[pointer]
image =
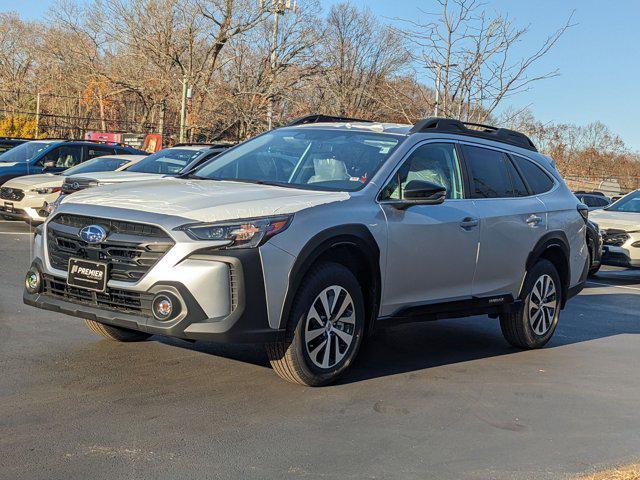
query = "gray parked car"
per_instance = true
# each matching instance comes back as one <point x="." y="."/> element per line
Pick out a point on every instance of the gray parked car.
<point x="308" y="237"/>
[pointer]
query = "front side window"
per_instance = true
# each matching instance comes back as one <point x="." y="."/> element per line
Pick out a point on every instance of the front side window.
<point x="24" y="152"/>
<point x="333" y="160"/>
<point x="489" y="173"/>
<point x="101" y="164"/>
<point x="434" y="162"/>
<point x="170" y="161"/>
<point x="64" y="157"/>
<point x="628" y="203"/>
<point x="538" y="181"/>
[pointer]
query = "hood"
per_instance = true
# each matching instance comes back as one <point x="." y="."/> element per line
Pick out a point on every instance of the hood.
<point x="35" y="181"/>
<point x="119" y="177"/>
<point x="204" y="200"/>
<point x="607" y="219"/>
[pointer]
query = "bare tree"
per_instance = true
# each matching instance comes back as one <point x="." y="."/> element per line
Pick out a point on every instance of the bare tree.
<point x="470" y="56"/>
<point x="360" y="55"/>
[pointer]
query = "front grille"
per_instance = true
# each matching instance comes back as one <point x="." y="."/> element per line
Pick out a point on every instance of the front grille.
<point x="233" y="284"/>
<point x="615" y="238"/>
<point x="130" y="250"/>
<point x="14" y="194"/>
<point x="113" y="299"/>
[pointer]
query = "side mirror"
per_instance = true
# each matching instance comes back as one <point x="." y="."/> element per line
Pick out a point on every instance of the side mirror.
<point x="422" y="192"/>
<point x="48" y="165"/>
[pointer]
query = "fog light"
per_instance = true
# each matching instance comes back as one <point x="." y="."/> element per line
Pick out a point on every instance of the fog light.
<point x="163" y="307"/>
<point x="636" y="244"/>
<point x="33" y="281"/>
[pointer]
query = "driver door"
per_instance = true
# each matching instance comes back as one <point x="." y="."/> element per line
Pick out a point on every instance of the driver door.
<point x="432" y="249"/>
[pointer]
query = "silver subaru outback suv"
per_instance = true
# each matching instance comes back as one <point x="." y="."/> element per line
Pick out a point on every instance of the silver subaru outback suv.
<point x="308" y="237"/>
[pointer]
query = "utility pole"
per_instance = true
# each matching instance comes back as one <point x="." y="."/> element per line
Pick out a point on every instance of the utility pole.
<point x="183" y="108"/>
<point x="438" y="69"/>
<point x="278" y="7"/>
<point x="437" y="105"/>
<point x="38" y="115"/>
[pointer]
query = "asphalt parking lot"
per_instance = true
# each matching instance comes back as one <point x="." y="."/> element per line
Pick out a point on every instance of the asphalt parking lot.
<point x="446" y="399"/>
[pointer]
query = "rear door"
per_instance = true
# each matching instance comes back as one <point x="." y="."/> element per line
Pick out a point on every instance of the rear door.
<point x="431" y="252"/>
<point x="511" y="220"/>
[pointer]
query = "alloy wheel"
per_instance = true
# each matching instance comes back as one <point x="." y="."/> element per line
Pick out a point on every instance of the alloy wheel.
<point x="330" y="327"/>
<point x="542" y="304"/>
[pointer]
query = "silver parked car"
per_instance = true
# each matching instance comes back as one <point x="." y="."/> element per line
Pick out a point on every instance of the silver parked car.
<point x="308" y="237"/>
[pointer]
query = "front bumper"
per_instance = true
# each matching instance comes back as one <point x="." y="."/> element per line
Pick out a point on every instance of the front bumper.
<point x="619" y="257"/>
<point x="239" y="319"/>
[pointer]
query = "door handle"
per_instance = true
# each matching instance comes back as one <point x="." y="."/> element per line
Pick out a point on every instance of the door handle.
<point x="468" y="223"/>
<point x="533" y="220"/>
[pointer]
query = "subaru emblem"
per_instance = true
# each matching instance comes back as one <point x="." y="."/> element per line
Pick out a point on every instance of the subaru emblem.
<point x="93" y="234"/>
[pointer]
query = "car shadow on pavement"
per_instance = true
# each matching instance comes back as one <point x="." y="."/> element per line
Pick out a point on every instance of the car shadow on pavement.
<point x="414" y="347"/>
<point x="423" y="345"/>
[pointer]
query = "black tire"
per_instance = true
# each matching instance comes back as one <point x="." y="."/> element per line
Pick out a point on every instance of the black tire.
<point x="516" y="326"/>
<point x="290" y="358"/>
<point x="116" y="334"/>
<point x="593" y="268"/>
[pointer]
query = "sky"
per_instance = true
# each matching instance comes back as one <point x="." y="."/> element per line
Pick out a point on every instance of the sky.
<point x="598" y="58"/>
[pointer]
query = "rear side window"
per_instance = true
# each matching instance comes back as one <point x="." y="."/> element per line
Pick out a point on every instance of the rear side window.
<point x="519" y="188"/>
<point x="100" y="151"/>
<point x="536" y="178"/>
<point x="489" y="171"/>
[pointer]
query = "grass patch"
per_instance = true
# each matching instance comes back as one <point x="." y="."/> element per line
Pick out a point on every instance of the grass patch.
<point x="629" y="472"/>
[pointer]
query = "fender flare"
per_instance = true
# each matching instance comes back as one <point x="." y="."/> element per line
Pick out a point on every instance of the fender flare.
<point x="553" y="239"/>
<point x="355" y="235"/>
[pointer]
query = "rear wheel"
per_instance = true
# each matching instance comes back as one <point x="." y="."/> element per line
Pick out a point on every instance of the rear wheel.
<point x="593" y="268"/>
<point x="325" y="328"/>
<point x="116" y="334"/>
<point x="532" y="324"/>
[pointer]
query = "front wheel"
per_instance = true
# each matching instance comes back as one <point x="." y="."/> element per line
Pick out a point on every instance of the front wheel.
<point x="532" y="324"/>
<point x="325" y="328"/>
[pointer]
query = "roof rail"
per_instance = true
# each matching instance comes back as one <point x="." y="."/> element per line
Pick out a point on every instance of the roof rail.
<point x="450" y="125"/>
<point x="319" y="118"/>
<point x="204" y="144"/>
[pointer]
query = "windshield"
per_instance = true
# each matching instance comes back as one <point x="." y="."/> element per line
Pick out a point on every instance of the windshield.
<point x="170" y="161"/>
<point x="99" y="164"/>
<point x="628" y="203"/>
<point x="337" y="160"/>
<point x="24" y="153"/>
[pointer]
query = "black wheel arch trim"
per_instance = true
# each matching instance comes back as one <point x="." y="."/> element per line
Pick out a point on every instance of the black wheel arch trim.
<point x="553" y="239"/>
<point x="355" y="235"/>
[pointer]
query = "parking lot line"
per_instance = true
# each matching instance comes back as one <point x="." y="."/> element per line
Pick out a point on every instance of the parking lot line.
<point x="16" y="233"/>
<point x="612" y="285"/>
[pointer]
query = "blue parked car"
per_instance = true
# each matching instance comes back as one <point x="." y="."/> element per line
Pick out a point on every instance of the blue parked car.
<point x="51" y="156"/>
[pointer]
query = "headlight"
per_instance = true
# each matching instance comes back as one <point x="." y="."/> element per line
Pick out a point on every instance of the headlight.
<point x="49" y="208"/>
<point x="46" y="190"/>
<point x="245" y="233"/>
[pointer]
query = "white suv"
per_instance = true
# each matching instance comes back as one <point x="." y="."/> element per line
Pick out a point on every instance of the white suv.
<point x="308" y="237"/>
<point x="620" y="227"/>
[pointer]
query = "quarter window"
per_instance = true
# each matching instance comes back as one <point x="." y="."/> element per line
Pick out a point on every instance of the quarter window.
<point x="489" y="172"/>
<point x="434" y="162"/>
<point x="537" y="179"/>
